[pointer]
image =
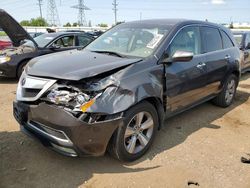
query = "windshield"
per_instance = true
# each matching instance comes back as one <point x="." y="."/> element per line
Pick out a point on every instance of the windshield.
<point x="238" y="38"/>
<point x="130" y="40"/>
<point x="41" y="40"/>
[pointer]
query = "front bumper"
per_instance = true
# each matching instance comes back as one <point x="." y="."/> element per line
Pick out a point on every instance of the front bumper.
<point x="60" y="130"/>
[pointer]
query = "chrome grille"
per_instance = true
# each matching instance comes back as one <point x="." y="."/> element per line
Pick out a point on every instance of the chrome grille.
<point x="32" y="88"/>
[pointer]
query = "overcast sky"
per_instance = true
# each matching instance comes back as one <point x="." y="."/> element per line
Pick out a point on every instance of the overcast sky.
<point x="220" y="11"/>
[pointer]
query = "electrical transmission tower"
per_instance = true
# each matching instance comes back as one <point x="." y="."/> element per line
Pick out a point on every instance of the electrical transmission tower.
<point x="40" y="8"/>
<point x="52" y="14"/>
<point x="81" y="12"/>
<point x="115" y="4"/>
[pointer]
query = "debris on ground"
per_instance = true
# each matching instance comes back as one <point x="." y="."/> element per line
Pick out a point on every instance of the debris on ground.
<point x="21" y="169"/>
<point x="246" y="160"/>
<point x="193" y="183"/>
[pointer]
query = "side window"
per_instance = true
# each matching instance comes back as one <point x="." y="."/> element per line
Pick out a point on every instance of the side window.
<point x="188" y="39"/>
<point x="83" y="40"/>
<point x="211" y="39"/>
<point x="247" y="39"/>
<point x="64" y="42"/>
<point x="227" y="43"/>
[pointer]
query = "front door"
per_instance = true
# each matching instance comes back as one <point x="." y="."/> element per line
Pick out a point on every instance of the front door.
<point x="185" y="81"/>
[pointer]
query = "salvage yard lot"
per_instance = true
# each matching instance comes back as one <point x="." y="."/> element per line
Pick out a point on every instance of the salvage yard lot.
<point x="202" y="145"/>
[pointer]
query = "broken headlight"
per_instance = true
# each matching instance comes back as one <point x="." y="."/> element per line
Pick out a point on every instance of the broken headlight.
<point x="80" y="96"/>
<point x="73" y="100"/>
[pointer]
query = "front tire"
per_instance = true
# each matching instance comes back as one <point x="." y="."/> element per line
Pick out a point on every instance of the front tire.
<point x="134" y="138"/>
<point x="226" y="96"/>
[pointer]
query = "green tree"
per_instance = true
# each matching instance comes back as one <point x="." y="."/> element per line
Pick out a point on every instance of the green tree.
<point x="25" y="23"/>
<point x="75" y="24"/>
<point x="38" y="22"/>
<point x="67" y="25"/>
<point x="103" y="25"/>
<point x="34" y="22"/>
<point x="231" y="26"/>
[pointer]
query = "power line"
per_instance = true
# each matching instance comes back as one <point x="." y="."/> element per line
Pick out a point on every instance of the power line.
<point x="40" y="8"/>
<point x="81" y="12"/>
<point x="52" y="14"/>
<point x="115" y="4"/>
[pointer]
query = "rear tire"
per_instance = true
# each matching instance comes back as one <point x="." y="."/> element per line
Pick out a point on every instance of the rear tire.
<point x="130" y="141"/>
<point x="226" y="96"/>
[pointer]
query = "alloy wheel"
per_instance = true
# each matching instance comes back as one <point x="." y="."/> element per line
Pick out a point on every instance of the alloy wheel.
<point x="138" y="132"/>
<point x="230" y="91"/>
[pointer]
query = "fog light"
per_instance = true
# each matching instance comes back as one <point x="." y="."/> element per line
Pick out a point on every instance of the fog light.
<point x="1" y="72"/>
<point x="66" y="150"/>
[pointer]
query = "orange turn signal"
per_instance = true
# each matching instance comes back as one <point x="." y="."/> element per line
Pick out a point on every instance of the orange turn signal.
<point x="87" y="105"/>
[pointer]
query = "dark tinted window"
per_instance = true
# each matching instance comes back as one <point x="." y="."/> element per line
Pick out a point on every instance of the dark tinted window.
<point x="227" y="43"/>
<point x="211" y="39"/>
<point x="83" y="40"/>
<point x="188" y="39"/>
<point x="247" y="39"/>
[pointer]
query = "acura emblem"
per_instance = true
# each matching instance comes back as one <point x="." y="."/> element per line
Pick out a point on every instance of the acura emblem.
<point x="23" y="81"/>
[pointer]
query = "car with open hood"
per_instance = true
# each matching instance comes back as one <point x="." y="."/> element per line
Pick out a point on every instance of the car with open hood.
<point x="243" y="40"/>
<point x="115" y="94"/>
<point x="14" y="59"/>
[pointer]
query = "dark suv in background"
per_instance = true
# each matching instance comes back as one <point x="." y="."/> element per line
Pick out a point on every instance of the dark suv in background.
<point x="117" y="91"/>
<point x="243" y="40"/>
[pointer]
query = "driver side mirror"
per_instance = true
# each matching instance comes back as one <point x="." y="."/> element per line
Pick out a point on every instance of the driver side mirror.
<point x="179" y="56"/>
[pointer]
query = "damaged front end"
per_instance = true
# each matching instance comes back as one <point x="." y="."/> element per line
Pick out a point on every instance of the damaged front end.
<point x="79" y="98"/>
<point x="59" y="113"/>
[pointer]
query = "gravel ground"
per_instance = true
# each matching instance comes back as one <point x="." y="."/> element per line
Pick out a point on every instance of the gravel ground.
<point x="203" y="145"/>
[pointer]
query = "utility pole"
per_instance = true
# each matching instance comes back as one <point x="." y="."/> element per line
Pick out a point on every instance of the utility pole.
<point x="52" y="14"/>
<point x="40" y="8"/>
<point x="115" y="4"/>
<point x="81" y="12"/>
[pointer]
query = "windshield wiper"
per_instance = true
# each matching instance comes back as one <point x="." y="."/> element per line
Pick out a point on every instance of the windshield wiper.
<point x="110" y="53"/>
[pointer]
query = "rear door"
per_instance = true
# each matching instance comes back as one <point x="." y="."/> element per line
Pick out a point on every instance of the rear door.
<point x="185" y="81"/>
<point x="217" y="58"/>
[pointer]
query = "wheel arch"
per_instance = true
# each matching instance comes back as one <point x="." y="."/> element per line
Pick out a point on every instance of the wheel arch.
<point x="26" y="60"/>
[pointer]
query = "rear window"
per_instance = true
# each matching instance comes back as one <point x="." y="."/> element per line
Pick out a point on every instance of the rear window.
<point x="227" y="43"/>
<point x="211" y="39"/>
<point x="238" y="38"/>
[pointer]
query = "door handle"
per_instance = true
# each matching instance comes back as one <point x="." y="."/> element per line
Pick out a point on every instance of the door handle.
<point x="201" y="65"/>
<point x="227" y="57"/>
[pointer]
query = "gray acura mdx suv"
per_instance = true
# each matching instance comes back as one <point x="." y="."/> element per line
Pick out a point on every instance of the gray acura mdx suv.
<point x="117" y="91"/>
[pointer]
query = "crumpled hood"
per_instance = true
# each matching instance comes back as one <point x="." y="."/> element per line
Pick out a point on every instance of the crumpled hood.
<point x="75" y="64"/>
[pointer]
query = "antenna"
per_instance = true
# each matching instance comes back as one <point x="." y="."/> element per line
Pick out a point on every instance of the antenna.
<point x="81" y="12"/>
<point x="52" y="14"/>
<point x="115" y="4"/>
<point x="40" y="8"/>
